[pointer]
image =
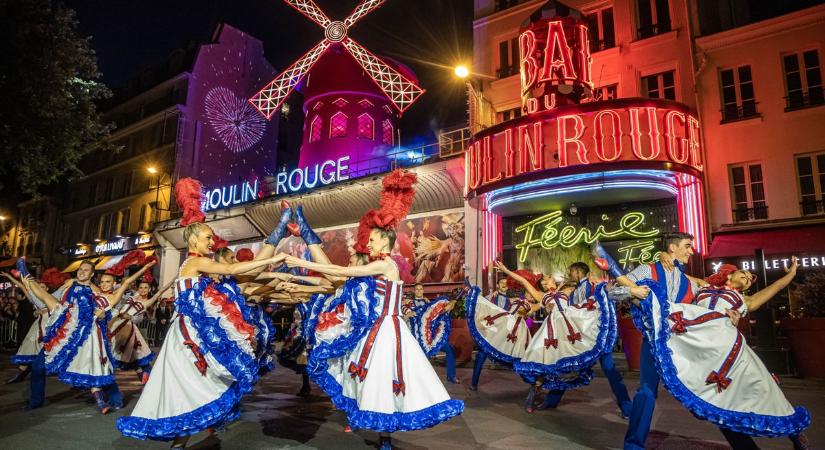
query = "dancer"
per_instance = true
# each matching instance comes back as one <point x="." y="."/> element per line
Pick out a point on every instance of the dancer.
<point x="207" y="361"/>
<point x="702" y="360"/>
<point x="129" y="347"/>
<point x="76" y="345"/>
<point x="499" y="298"/>
<point x="364" y="355"/>
<point x="33" y="342"/>
<point x="430" y="324"/>
<point x="294" y="351"/>
<point x="594" y="317"/>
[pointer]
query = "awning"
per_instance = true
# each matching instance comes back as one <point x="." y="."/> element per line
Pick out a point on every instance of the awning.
<point x="790" y="240"/>
<point x="107" y="262"/>
<point x="8" y="262"/>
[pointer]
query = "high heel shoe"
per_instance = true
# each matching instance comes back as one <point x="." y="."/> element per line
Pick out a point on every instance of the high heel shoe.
<point x="604" y="261"/>
<point x="102" y="405"/>
<point x="307" y="234"/>
<point x="528" y="402"/>
<point x="281" y="227"/>
<point x="21" y="268"/>
<point x="20" y="375"/>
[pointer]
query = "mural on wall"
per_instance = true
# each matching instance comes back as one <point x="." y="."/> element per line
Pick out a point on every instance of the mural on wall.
<point x="431" y="247"/>
<point x="233" y="143"/>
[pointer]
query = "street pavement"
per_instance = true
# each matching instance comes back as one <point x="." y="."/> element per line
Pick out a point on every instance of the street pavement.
<point x="274" y="418"/>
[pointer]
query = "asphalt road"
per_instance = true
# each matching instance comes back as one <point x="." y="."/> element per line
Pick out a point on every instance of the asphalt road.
<point x="273" y="417"/>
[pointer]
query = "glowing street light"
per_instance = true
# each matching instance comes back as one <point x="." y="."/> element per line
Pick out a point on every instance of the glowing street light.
<point x="461" y="71"/>
<point x="2" y="218"/>
<point x="152" y="170"/>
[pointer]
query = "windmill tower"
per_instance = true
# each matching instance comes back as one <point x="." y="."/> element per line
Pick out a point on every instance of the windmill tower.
<point x="353" y="99"/>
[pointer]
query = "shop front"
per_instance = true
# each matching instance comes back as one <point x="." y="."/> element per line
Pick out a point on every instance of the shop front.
<point x="106" y="253"/>
<point x="571" y="170"/>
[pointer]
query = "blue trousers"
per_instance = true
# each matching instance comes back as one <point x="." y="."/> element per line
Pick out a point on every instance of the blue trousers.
<point x="449" y="352"/>
<point x="478" y="364"/>
<point x="613" y="377"/>
<point x="38" y="382"/>
<point x="644" y="401"/>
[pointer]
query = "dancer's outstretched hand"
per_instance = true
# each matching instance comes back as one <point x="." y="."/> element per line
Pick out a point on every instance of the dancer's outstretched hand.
<point x="279" y="258"/>
<point x="292" y="261"/>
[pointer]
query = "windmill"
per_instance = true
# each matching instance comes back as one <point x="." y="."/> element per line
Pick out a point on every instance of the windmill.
<point x="400" y="90"/>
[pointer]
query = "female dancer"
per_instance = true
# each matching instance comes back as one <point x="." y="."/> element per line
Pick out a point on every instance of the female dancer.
<point x="364" y="355"/>
<point x="33" y="341"/>
<point x="207" y="361"/>
<point x="76" y="343"/>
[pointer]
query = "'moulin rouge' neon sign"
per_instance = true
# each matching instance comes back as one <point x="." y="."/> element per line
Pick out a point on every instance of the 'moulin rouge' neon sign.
<point x="544" y="232"/>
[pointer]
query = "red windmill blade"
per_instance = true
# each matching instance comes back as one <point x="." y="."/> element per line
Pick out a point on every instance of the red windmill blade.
<point x="399" y="89"/>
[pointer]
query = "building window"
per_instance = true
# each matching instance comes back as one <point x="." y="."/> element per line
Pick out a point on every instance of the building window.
<point x="609" y="92"/>
<point x="126" y="187"/>
<point x="509" y="114"/>
<point x="387" y="132"/>
<point x="366" y="127"/>
<point x="653" y="17"/>
<point x="109" y="190"/>
<point x="508" y="58"/>
<point x="86" y="230"/>
<point x="811" y="172"/>
<point x="103" y="226"/>
<point x="338" y="125"/>
<point x="601" y="30"/>
<point x="660" y="85"/>
<point x="748" y="193"/>
<point x="803" y="80"/>
<point x="92" y="193"/>
<point x="737" y="94"/>
<point x="146" y="219"/>
<point x="123" y="217"/>
<point x="315" y="128"/>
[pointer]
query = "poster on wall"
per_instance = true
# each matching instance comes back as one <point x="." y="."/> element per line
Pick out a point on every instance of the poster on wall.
<point x="431" y="247"/>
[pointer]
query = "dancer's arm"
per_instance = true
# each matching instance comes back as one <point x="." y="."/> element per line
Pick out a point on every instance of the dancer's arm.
<point x="206" y="265"/>
<point x="535" y="293"/>
<point x="374" y="268"/>
<point x="118" y="294"/>
<point x="158" y="294"/>
<point x="314" y="281"/>
<point x="758" y="299"/>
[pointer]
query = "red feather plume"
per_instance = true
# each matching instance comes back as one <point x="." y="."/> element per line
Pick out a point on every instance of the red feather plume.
<point x="189" y="197"/>
<point x="244" y="254"/>
<point x="719" y="278"/>
<point x="532" y="278"/>
<point x="396" y="200"/>
<point x="219" y="242"/>
<point x="54" y="278"/>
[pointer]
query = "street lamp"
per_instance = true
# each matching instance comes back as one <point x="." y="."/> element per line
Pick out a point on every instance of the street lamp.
<point x="152" y="170"/>
<point x="461" y="71"/>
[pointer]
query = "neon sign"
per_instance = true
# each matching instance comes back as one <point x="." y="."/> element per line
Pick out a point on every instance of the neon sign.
<point x="544" y="232"/>
<point x="633" y="130"/>
<point x="554" y="56"/>
<point x="643" y="252"/>
<point x="110" y="246"/>
<point x="322" y="174"/>
<point x="817" y="261"/>
<point x="226" y="196"/>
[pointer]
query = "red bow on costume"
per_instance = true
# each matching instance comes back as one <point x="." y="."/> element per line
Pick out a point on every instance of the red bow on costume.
<point x="722" y="382"/>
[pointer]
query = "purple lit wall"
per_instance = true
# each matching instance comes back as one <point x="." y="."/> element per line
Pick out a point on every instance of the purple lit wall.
<point x="232" y="143"/>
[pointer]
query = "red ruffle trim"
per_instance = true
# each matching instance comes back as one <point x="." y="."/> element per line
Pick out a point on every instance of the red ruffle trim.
<point x="61" y="333"/>
<point x="231" y="311"/>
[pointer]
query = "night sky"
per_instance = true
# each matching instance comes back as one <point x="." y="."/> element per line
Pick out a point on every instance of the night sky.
<point x="130" y="36"/>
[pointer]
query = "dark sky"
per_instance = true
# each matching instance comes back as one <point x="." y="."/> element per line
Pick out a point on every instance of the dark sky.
<point x="129" y="36"/>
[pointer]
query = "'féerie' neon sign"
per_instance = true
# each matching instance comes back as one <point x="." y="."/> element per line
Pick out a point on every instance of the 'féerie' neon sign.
<point x="544" y="232"/>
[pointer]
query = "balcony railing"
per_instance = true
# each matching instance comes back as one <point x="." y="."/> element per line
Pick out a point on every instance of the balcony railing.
<point x="749" y="214"/>
<point x="505" y="72"/>
<point x="812" y="207"/>
<point x="801" y="100"/>
<point x="597" y="46"/>
<point x="734" y="113"/>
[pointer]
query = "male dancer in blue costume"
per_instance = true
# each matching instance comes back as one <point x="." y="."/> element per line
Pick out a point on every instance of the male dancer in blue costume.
<point x="578" y="273"/>
<point x="500" y="299"/>
<point x="418" y="301"/>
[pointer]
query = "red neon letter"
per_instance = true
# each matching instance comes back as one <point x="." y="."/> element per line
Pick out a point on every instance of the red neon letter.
<point x="553" y="61"/>
<point x="584" y="56"/>
<point x="509" y="154"/>
<point x="529" y="65"/>
<point x="562" y="140"/>
<point x="653" y="134"/>
<point x="489" y="162"/>
<point x="598" y="134"/>
<point x="693" y="139"/>
<point x="474" y="166"/>
<point x="531" y="151"/>
<point x="677" y="151"/>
